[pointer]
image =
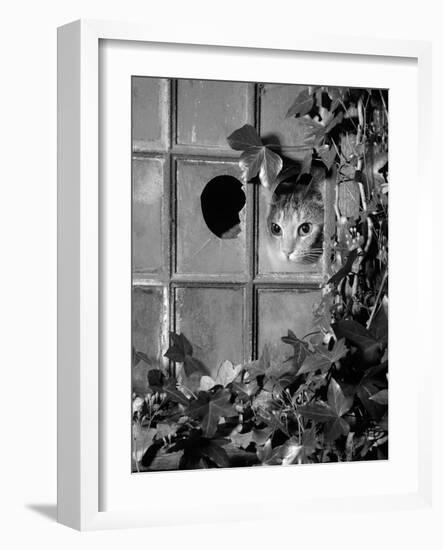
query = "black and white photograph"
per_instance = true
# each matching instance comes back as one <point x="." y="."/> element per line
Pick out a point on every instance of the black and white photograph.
<point x="259" y="274"/>
<point x="221" y="275"/>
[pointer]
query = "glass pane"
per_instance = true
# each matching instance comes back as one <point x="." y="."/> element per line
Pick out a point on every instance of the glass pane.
<point x="150" y="113"/>
<point x="275" y="128"/>
<point x="219" y="247"/>
<point x="208" y="112"/>
<point x="149" y="332"/>
<point x="212" y="320"/>
<point x="147" y="198"/>
<point x="280" y="310"/>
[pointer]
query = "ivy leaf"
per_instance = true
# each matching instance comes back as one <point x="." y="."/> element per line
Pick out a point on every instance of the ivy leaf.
<point x="210" y="408"/>
<point x="257" y="159"/>
<point x="166" y="429"/>
<point x="327" y="155"/>
<point x="180" y="351"/>
<point x="216" y="454"/>
<point x="244" y="138"/>
<point x="371" y="383"/>
<point x="261" y="161"/>
<point x="384" y="422"/>
<point x="259" y="437"/>
<point x="156" y="378"/>
<point x="322" y="359"/>
<point x="315" y="362"/>
<point x="272" y="420"/>
<point x="281" y="372"/>
<point x="364" y="392"/>
<point x="336" y="428"/>
<point x="314" y="132"/>
<point x="309" y="440"/>
<point x="275" y="385"/>
<point x="206" y="383"/>
<point x="303" y="103"/>
<point x="370" y="349"/>
<point x="261" y="365"/>
<point x="246" y="389"/>
<point x="241" y="440"/>
<point x="338" y="351"/>
<point x="196" y="449"/>
<point x="179" y="348"/>
<point x="192" y="365"/>
<point x="356" y="333"/>
<point x="381" y="397"/>
<point x="318" y="411"/>
<point x="378" y="372"/>
<point x="341" y="273"/>
<point x="286" y="454"/>
<point x="189" y="385"/>
<point x="337" y="92"/>
<point x="264" y="452"/>
<point x="335" y="103"/>
<point x="138" y="356"/>
<point x="263" y="401"/>
<point x="338" y="119"/>
<point x="337" y="400"/>
<point x="301" y="349"/>
<point x="142" y="440"/>
<point x="226" y="374"/>
<point x="291" y="338"/>
<point x="379" y="326"/>
<point x="330" y="413"/>
<point x="173" y="393"/>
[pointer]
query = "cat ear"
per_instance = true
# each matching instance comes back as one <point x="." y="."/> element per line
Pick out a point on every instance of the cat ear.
<point x="318" y="185"/>
<point x="284" y="187"/>
<point x="312" y="184"/>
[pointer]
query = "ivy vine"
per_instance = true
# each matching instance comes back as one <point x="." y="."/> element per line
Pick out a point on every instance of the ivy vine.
<point x="328" y="401"/>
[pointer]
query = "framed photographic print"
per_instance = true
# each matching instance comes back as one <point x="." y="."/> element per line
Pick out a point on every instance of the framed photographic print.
<point x="260" y="302"/>
<point x="231" y="300"/>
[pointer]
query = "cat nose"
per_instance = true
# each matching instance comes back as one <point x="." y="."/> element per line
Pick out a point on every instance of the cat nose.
<point x="287" y="253"/>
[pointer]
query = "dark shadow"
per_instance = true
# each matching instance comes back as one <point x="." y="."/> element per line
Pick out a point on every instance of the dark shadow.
<point x="272" y="141"/>
<point x="48" y="511"/>
<point x="222" y="199"/>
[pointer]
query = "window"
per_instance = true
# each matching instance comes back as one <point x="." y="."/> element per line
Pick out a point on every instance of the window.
<point x="199" y="263"/>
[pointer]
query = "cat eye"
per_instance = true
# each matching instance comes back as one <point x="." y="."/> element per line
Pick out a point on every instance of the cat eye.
<point x="304" y="229"/>
<point x="275" y="229"/>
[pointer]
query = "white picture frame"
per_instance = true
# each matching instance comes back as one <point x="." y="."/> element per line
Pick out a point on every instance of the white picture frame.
<point x="81" y="471"/>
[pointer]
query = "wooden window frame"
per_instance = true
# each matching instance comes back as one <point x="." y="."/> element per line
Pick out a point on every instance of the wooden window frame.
<point x="252" y="281"/>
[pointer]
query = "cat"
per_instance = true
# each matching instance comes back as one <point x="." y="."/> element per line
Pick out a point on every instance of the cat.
<point x="294" y="223"/>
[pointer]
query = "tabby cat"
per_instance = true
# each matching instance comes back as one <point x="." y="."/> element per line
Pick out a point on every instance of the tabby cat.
<point x="294" y="223"/>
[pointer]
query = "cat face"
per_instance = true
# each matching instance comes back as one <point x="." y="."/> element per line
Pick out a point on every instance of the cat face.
<point x="295" y="223"/>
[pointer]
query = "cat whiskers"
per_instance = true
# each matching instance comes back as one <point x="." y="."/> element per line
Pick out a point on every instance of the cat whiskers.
<point x="309" y="252"/>
<point x="311" y="255"/>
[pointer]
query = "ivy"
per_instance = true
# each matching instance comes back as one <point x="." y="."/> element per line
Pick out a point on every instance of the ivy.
<point x="257" y="159"/>
<point x="327" y="401"/>
<point x="300" y="411"/>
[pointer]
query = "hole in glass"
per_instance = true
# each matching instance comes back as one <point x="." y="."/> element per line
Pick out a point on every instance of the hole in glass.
<point x="222" y="200"/>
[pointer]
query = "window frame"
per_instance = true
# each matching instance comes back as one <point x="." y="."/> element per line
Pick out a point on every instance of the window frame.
<point x="252" y="281"/>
